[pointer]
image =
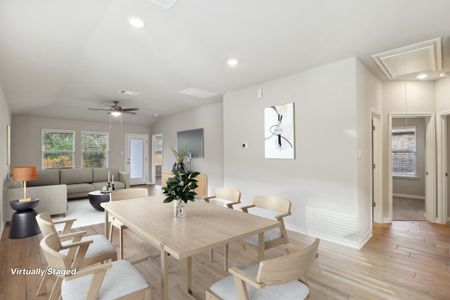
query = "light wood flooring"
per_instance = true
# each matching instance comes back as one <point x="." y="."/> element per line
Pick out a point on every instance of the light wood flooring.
<point x="405" y="260"/>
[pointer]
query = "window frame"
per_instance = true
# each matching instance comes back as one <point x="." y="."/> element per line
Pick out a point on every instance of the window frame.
<point x="81" y="146"/>
<point x="49" y="130"/>
<point x="404" y="175"/>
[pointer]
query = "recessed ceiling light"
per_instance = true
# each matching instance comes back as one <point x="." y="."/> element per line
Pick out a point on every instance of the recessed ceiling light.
<point x="116" y="113"/>
<point x="128" y="93"/>
<point x="136" y="22"/>
<point x="155" y="115"/>
<point x="232" y="62"/>
<point x="422" y="76"/>
<point x="442" y="75"/>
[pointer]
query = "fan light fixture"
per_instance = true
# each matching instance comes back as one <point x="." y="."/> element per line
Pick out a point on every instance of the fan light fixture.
<point x="116" y="113"/>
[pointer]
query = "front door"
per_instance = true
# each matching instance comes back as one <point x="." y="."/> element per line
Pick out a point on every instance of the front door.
<point x="137" y="158"/>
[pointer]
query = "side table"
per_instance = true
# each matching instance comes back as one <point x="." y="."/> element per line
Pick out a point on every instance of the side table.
<point x="23" y="222"/>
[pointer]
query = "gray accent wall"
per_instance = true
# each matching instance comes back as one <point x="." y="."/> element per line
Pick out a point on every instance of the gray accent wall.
<point x="5" y="119"/>
<point x="210" y="118"/>
<point x="27" y="130"/>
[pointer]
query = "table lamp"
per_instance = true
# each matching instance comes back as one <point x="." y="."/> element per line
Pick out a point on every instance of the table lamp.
<point x="24" y="174"/>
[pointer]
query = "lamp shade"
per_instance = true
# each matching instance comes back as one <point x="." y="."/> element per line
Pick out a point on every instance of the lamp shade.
<point x="24" y="173"/>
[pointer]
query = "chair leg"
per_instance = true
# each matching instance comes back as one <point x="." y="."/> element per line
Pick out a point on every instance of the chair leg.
<point x="56" y="291"/>
<point x="148" y="294"/>
<point x="42" y="289"/>
<point x="211" y="256"/>
<point x="121" y="243"/>
<point x="110" y="232"/>
<point x="225" y="258"/>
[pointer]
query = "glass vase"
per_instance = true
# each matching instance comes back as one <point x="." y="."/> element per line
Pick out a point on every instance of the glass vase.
<point x="179" y="209"/>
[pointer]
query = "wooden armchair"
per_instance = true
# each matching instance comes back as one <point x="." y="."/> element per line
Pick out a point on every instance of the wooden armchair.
<point x="115" y="280"/>
<point x="100" y="251"/>
<point x="279" y="208"/>
<point x="224" y="197"/>
<point x="119" y="195"/>
<point x="277" y="278"/>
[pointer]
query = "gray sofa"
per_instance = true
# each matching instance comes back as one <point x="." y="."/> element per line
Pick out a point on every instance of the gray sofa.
<point x="55" y="186"/>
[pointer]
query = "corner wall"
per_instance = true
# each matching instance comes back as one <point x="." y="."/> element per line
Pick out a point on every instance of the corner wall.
<point x="5" y="119"/>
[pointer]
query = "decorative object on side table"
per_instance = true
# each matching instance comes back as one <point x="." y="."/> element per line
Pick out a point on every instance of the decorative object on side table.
<point x="96" y="198"/>
<point x="23" y="222"/>
<point x="180" y="189"/>
<point x="24" y="174"/>
<point x="180" y="155"/>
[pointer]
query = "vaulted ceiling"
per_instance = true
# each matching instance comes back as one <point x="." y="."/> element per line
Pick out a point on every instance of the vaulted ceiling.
<point x="59" y="57"/>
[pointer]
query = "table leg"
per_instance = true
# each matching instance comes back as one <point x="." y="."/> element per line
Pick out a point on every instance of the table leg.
<point x="164" y="275"/>
<point x="188" y="283"/>
<point x="261" y="246"/>
<point x="106" y="224"/>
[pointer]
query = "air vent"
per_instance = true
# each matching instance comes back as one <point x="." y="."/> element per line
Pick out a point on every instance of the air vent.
<point x="164" y="3"/>
<point x="404" y="62"/>
<point x="194" y="92"/>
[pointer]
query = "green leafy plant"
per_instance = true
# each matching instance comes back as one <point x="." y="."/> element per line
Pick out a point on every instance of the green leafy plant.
<point x="181" y="186"/>
<point x="180" y="155"/>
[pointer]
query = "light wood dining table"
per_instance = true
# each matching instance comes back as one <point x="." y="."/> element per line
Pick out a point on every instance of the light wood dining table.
<point x="206" y="226"/>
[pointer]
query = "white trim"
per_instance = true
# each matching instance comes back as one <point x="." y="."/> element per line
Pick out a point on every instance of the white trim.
<point x="81" y="146"/>
<point x="377" y="211"/>
<point x="153" y="156"/>
<point x="2" y="226"/>
<point x="442" y="152"/>
<point x="58" y="130"/>
<point x="351" y="244"/>
<point x="408" y="196"/>
<point x="387" y="220"/>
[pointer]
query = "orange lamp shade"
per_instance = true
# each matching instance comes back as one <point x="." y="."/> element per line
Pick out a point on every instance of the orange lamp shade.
<point x="24" y="173"/>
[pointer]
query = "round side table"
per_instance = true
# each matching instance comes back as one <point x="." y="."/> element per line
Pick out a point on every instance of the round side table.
<point x="98" y="197"/>
<point x="23" y="222"/>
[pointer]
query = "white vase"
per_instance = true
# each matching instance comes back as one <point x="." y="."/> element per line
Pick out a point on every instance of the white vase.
<point x="179" y="209"/>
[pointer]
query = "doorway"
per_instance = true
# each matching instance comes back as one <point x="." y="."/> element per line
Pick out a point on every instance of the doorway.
<point x="377" y="170"/>
<point x="136" y="158"/>
<point x="412" y="180"/>
<point x="443" y="167"/>
<point x="157" y="158"/>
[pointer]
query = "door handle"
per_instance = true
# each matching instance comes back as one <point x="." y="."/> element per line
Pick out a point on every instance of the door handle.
<point x="426" y="173"/>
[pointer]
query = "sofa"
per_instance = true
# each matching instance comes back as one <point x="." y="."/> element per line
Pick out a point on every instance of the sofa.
<point x="54" y="187"/>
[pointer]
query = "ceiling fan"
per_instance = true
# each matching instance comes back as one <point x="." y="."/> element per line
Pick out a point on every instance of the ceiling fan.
<point x="116" y="110"/>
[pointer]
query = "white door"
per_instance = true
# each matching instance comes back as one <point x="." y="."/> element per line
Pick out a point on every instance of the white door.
<point x="377" y="175"/>
<point x="136" y="158"/>
<point x="430" y="171"/>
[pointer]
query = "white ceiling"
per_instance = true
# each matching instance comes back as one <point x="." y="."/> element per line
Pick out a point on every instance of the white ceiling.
<point x="59" y="57"/>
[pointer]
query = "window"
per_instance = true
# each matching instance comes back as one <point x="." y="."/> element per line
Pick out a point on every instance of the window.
<point x="404" y="157"/>
<point x="58" y="147"/>
<point x="94" y="149"/>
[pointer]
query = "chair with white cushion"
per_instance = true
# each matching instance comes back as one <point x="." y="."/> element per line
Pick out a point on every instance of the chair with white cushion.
<point x="119" y="195"/>
<point x="277" y="278"/>
<point x="226" y="197"/>
<point x="116" y="280"/>
<point x="273" y="207"/>
<point x="100" y="251"/>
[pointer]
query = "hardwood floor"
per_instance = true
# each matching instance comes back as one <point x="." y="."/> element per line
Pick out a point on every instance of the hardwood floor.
<point x="405" y="260"/>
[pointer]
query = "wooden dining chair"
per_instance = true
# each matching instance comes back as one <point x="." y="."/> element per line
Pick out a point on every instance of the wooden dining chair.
<point x="119" y="195"/>
<point x="277" y="278"/>
<point x="114" y="280"/>
<point x="277" y="208"/>
<point x="227" y="197"/>
<point x="100" y="251"/>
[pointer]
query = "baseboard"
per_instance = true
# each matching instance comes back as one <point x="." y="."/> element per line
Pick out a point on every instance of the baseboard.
<point x="365" y="238"/>
<point x="409" y="196"/>
<point x="387" y="220"/>
<point x="342" y="242"/>
<point x="448" y="220"/>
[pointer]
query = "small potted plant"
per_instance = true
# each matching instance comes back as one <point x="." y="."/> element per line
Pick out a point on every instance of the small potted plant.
<point x="181" y="189"/>
<point x="180" y="155"/>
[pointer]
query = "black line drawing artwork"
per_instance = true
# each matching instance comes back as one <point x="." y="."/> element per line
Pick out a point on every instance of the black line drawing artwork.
<point x="276" y="130"/>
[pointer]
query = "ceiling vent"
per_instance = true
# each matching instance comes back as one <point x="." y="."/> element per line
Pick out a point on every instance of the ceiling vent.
<point x="406" y="62"/>
<point x="194" y="92"/>
<point x="166" y="4"/>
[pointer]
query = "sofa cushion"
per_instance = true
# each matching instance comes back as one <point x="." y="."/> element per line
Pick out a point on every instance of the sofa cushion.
<point x="79" y="175"/>
<point x="101" y="174"/>
<point x="117" y="184"/>
<point x="45" y="177"/>
<point x="80" y="188"/>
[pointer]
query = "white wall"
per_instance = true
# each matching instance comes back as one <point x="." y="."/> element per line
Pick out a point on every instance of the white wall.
<point x="322" y="181"/>
<point x="26" y="138"/>
<point x="210" y="118"/>
<point x="5" y="119"/>
<point x="412" y="186"/>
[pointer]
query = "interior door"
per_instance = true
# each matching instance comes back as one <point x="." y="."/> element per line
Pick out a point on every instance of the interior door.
<point x="377" y="208"/>
<point x="137" y="158"/>
<point x="430" y="171"/>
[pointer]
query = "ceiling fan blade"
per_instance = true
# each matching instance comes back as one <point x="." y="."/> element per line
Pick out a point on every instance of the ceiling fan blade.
<point x="130" y="109"/>
<point x="128" y="112"/>
<point x="99" y="109"/>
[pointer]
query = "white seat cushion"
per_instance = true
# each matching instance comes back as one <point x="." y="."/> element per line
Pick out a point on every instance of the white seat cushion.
<point x="219" y="201"/>
<point x="226" y="289"/>
<point x="269" y="235"/>
<point x="100" y="245"/>
<point x="120" y="280"/>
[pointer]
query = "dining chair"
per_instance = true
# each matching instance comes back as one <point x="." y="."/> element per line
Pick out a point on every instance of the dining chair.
<point x="100" y="251"/>
<point x="282" y="277"/>
<point x="274" y="207"/>
<point x="113" y="280"/>
<point x="119" y="195"/>
<point x="227" y="197"/>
